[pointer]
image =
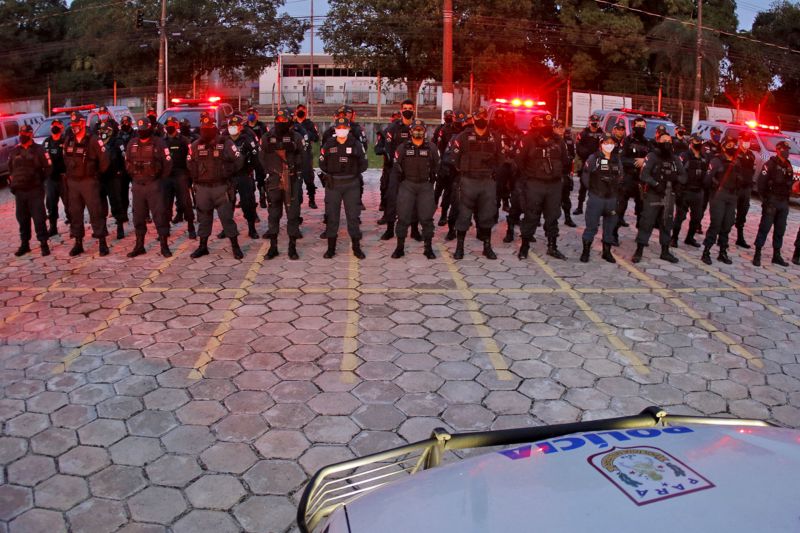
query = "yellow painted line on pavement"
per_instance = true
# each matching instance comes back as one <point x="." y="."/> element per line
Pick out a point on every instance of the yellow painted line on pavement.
<point x="587" y="310"/>
<point x="670" y="296"/>
<point x="198" y="371"/>
<point x="350" y="342"/>
<point x="478" y="319"/>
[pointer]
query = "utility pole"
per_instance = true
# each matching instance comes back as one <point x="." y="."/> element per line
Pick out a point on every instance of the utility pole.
<point x="447" y="57"/>
<point x="471" y="83"/>
<point x="569" y="99"/>
<point x="698" y="79"/>
<point x="311" y="96"/>
<point x="380" y="94"/>
<point x="660" y="88"/>
<point x="161" y="97"/>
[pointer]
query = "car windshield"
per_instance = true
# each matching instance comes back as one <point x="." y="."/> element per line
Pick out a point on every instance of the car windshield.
<point x="192" y="114"/>
<point x="43" y="129"/>
<point x="769" y="141"/>
<point x="652" y="124"/>
<point x="522" y="117"/>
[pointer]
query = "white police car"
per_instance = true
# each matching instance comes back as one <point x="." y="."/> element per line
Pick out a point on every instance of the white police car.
<point x="651" y="472"/>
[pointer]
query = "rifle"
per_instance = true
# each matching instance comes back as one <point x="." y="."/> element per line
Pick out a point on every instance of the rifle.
<point x="286" y="184"/>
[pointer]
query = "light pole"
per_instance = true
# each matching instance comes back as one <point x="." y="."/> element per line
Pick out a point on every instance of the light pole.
<point x="161" y="97"/>
<point x="698" y="79"/>
<point x="311" y="89"/>
<point x="447" y="57"/>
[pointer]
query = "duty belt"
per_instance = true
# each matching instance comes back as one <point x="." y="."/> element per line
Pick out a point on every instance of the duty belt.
<point x="210" y="184"/>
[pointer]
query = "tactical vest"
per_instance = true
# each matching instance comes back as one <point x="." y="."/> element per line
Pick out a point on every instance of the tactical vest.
<point x="696" y="168"/>
<point x="726" y="179"/>
<point x="76" y="159"/>
<point x="544" y="159"/>
<point x="477" y="156"/>
<point x="55" y="149"/>
<point x="780" y="180"/>
<point x="417" y="161"/>
<point x="634" y="148"/>
<point x="26" y="174"/>
<point x="143" y="165"/>
<point x="746" y="165"/>
<point x="605" y="177"/>
<point x="664" y="171"/>
<point x="279" y="142"/>
<point x="178" y="151"/>
<point x="210" y="165"/>
<point x="342" y="160"/>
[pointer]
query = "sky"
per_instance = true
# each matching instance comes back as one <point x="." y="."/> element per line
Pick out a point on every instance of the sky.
<point x="746" y="11"/>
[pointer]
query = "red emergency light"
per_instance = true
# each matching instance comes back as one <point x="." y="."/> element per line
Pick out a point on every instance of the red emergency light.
<point x="518" y="102"/>
<point x="87" y="107"/>
<point x="657" y="114"/>
<point x="754" y="125"/>
<point x="189" y="101"/>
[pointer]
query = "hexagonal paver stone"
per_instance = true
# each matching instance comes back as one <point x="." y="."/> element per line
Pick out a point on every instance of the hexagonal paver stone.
<point x="468" y="417"/>
<point x="274" y="477"/>
<point x="265" y="513"/>
<point x="134" y="527"/>
<point x="240" y="427"/>
<point x="61" y="492"/>
<point x="379" y="416"/>
<point x="215" y="492"/>
<point x="117" y="482"/>
<point x="157" y="504"/>
<point x="38" y="521"/>
<point x="152" y="423"/>
<point x="331" y="429"/>
<point x="31" y="469"/>
<point x="215" y="521"/>
<point x="229" y="457"/>
<point x="26" y="425"/>
<point x="47" y="402"/>
<point x="166" y="399"/>
<point x="14" y="500"/>
<point x="73" y="416"/>
<point x="96" y="515"/>
<point x="282" y="444"/>
<point x="136" y="451"/>
<point x="12" y="448"/>
<point x="102" y="432"/>
<point x="188" y="439"/>
<point x="173" y="470"/>
<point x="53" y="441"/>
<point x="83" y="461"/>
<point x="119" y="407"/>
<point x="201" y="412"/>
<point x="507" y="403"/>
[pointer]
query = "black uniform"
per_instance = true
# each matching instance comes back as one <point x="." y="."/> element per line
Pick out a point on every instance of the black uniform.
<point x="85" y="160"/>
<point x="148" y="164"/>
<point x="177" y="185"/>
<point x="357" y="132"/>
<point x="125" y="181"/>
<point x="775" y="188"/>
<point x="414" y="169"/>
<point x="309" y="134"/>
<point x="661" y="175"/>
<point x="343" y="165"/>
<point x="633" y="148"/>
<point x="602" y="176"/>
<point x="380" y="149"/>
<point x="55" y="188"/>
<point x="723" y="179"/>
<point x="257" y="130"/>
<point x="747" y="162"/>
<point x="281" y="152"/>
<point x="710" y="150"/>
<point x="509" y="188"/>
<point x="29" y="167"/>
<point x="396" y="134"/>
<point x="243" y="178"/>
<point x="588" y="143"/>
<point x="212" y="166"/>
<point x="689" y="197"/>
<point x="476" y="158"/>
<point x="111" y="182"/>
<point x="568" y="185"/>
<point x="441" y="137"/>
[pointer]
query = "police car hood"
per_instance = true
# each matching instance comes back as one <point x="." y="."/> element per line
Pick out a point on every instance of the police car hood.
<point x="667" y="479"/>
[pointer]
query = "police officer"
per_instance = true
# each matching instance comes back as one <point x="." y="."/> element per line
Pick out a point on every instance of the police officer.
<point x="55" y="188"/>
<point x="243" y="178"/>
<point x="506" y="174"/>
<point x="414" y="169"/>
<point x="775" y="188"/>
<point x="680" y="142"/>
<point x="441" y="138"/>
<point x="281" y="157"/>
<point x="634" y="149"/>
<point x="396" y="134"/>
<point x="126" y="133"/>
<point x="747" y="163"/>
<point x="541" y="159"/>
<point x="567" y="184"/>
<point x="85" y="157"/>
<point x="177" y="184"/>
<point x="256" y="128"/>
<point x="663" y="172"/>
<point x="588" y="143"/>
<point x="342" y="160"/>
<point x="602" y="176"/>
<point x="29" y="166"/>
<point x="448" y="177"/>
<point x="213" y="160"/>
<point x="309" y="133"/>
<point x="476" y="155"/>
<point x="380" y="149"/>
<point x="158" y="128"/>
<point x="711" y="149"/>
<point x="187" y="130"/>
<point x="111" y="181"/>
<point x="148" y="162"/>
<point x="105" y="121"/>
<point x="689" y="197"/>
<point x="722" y="181"/>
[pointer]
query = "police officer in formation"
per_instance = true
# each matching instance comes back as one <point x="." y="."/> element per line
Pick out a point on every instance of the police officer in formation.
<point x="747" y="162"/>
<point x="567" y="184"/>
<point x="244" y="177"/>
<point x="85" y="157"/>
<point x="506" y="174"/>
<point x="281" y="156"/>
<point x="29" y="167"/>
<point x="635" y="148"/>
<point x="148" y="162"/>
<point x="310" y="134"/>
<point x="111" y="185"/>
<point x="395" y="135"/>
<point x="414" y="170"/>
<point x="775" y="188"/>
<point x="689" y="197"/>
<point x="55" y="188"/>
<point x="661" y="174"/>
<point x="213" y="161"/>
<point x="588" y="142"/>
<point x="448" y="177"/>
<point x="256" y="128"/>
<point x="441" y="138"/>
<point x="724" y="178"/>
<point x="380" y="149"/>
<point x="342" y="160"/>
<point x="476" y="154"/>
<point x="602" y="176"/>
<point x="177" y="184"/>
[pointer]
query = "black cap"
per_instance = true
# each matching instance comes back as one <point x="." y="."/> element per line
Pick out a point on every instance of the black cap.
<point x="234" y="120"/>
<point x="282" y="115"/>
<point x="57" y="121"/>
<point x="103" y="109"/>
<point x="639" y="118"/>
<point x="417" y="123"/>
<point x="782" y="144"/>
<point x="143" y="124"/>
<point x="76" y="116"/>
<point x="661" y="130"/>
<point x="619" y="125"/>
<point x="480" y="111"/>
<point x="151" y="111"/>
<point x="172" y="120"/>
<point x="558" y="123"/>
<point x="26" y="128"/>
<point x="696" y="138"/>
<point x="127" y="118"/>
<point x="448" y="112"/>
<point x="252" y="109"/>
<point x="715" y="129"/>
<point x="344" y="110"/>
<point x="208" y="122"/>
<point x="460" y="116"/>
<point x="594" y="118"/>
<point x="608" y="137"/>
<point x="341" y="122"/>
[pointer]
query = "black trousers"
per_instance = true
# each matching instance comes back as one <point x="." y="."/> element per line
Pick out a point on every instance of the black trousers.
<point x="148" y="198"/>
<point x="541" y="198"/>
<point x="415" y="202"/>
<point x="85" y="194"/>
<point x="177" y="190"/>
<point x="276" y="201"/>
<point x="722" y="208"/>
<point x="656" y="213"/>
<point x="55" y="190"/>
<point x="30" y="207"/>
<point x="691" y="203"/>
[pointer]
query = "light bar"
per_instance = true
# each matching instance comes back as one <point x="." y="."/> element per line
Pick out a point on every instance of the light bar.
<point x="87" y="107"/>
<point x="518" y="102"/>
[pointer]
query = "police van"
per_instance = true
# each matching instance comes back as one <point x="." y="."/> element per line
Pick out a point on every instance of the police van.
<point x="42" y="131"/>
<point x="9" y="130"/>
<point x="654" y="119"/>
<point x="523" y="109"/>
<point x="192" y="108"/>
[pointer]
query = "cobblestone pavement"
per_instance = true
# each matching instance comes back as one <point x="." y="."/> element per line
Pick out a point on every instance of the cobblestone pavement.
<point x="161" y="394"/>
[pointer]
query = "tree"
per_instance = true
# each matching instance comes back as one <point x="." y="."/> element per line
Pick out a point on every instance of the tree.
<point x="779" y="25"/>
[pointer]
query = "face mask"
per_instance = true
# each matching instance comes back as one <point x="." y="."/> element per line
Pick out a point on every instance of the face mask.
<point x="546" y="131"/>
<point x="609" y="147"/>
<point x="125" y="127"/>
<point x="638" y="131"/>
<point x="593" y="124"/>
<point x="418" y="134"/>
<point x="55" y="130"/>
<point x="233" y="130"/>
<point x="730" y="150"/>
<point x="208" y="134"/>
<point x="152" y="119"/>
<point x="342" y="133"/>
<point x="251" y="117"/>
<point x="481" y="123"/>
<point x="784" y="153"/>
<point x="24" y="138"/>
<point x="697" y="146"/>
<point x="171" y="130"/>
<point x="76" y="129"/>
<point x="665" y="148"/>
<point x="715" y="137"/>
<point x="408" y="114"/>
<point x="281" y="127"/>
<point x="745" y="145"/>
<point x="301" y="114"/>
<point x="145" y="133"/>
<point x="448" y="120"/>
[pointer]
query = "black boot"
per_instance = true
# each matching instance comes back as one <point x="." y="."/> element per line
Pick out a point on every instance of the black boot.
<point x="552" y="249"/>
<point x="428" y="251"/>
<point x="624" y="224"/>
<point x="272" y="253"/>
<point x="357" y="251"/>
<point x="323" y="235"/>
<point x="165" y="251"/>
<point x="460" y="236"/>
<point x="524" y="248"/>
<point x="415" y="234"/>
<point x="637" y="255"/>
<point x="699" y="230"/>
<point x="237" y="252"/>
<point x="103" y="247"/>
<point x="568" y="220"/>
<point x="706" y="258"/>
<point x="312" y="203"/>
<point x="262" y="201"/>
<point x="796" y="256"/>
<point x="740" y="242"/>
<point x="53" y="229"/>
<point x="488" y="253"/>
<point x="399" y="250"/>
<point x="45" y="248"/>
<point x="579" y="209"/>
<point x="615" y="237"/>
<point x="77" y="248"/>
<point x="451" y="235"/>
<point x="777" y="259"/>
<point x="690" y="240"/>
<point x="607" y="255"/>
<point x="757" y="256"/>
<point x="331" y="251"/>
<point x="251" y="229"/>
<point x="120" y="230"/>
<point x="178" y="218"/>
<point x="202" y="249"/>
<point x="24" y="248"/>
<point x="192" y="232"/>
<point x="442" y="221"/>
<point x="389" y="233"/>
<point x="666" y="255"/>
<point x="221" y="234"/>
<point x="587" y="246"/>
<point x="723" y="256"/>
<point x="138" y="248"/>
<point x="509" y="233"/>
<point x="293" y="249"/>
<point x="673" y="242"/>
